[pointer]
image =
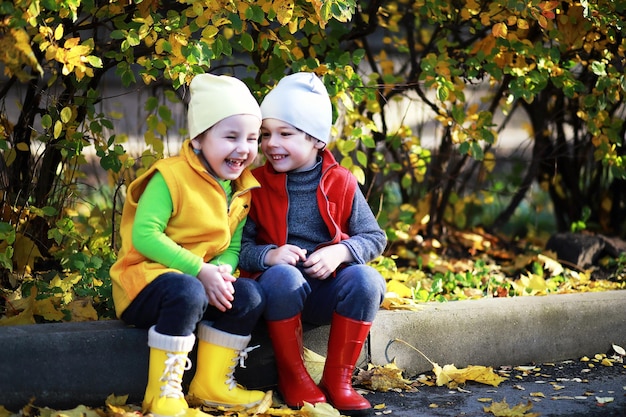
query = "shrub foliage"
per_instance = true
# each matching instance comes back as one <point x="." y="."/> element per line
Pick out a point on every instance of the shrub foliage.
<point x="423" y="93"/>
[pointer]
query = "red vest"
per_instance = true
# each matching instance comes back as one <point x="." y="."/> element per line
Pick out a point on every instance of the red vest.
<point x="270" y="203"/>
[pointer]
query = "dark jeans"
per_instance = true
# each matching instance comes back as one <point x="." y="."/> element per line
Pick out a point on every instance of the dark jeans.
<point x="176" y="303"/>
<point x="355" y="292"/>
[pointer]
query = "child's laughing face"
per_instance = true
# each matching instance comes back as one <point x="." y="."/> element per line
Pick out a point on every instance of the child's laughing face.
<point x="288" y="148"/>
<point x="230" y="145"/>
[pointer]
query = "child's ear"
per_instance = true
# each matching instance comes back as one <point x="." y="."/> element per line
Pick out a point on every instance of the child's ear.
<point x="195" y="143"/>
<point x="319" y="145"/>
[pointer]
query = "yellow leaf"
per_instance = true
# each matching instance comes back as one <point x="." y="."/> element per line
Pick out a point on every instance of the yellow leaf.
<point x="499" y="30"/>
<point x="320" y="410"/>
<point x="25" y="253"/>
<point x="46" y="309"/>
<point x="58" y="126"/>
<point x="451" y="376"/>
<point x="80" y="411"/>
<point x="399" y="288"/>
<point x="25" y="317"/>
<point x="388" y="377"/>
<point x="606" y="362"/>
<point x="551" y="265"/>
<point x="393" y="301"/>
<point x="82" y="310"/>
<point x="314" y="364"/>
<point x="66" y="114"/>
<point x="116" y="400"/>
<point x="58" y="32"/>
<point x="284" y="11"/>
<point x="264" y="405"/>
<point x="22" y="146"/>
<point x="502" y="409"/>
<point x="4" y="412"/>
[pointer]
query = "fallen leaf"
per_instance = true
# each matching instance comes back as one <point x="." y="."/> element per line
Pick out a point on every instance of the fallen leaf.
<point x="314" y="364"/>
<point x="606" y="362"/>
<point x="604" y="400"/>
<point x="264" y="405"/>
<point x="383" y="378"/>
<point x="502" y="409"/>
<point x="80" y="411"/>
<point x="320" y="410"/>
<point x="82" y="310"/>
<point x="451" y="376"/>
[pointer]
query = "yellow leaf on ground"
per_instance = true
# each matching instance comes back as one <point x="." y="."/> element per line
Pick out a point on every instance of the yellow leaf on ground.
<point x="383" y="378"/>
<point x="320" y="410"/>
<point x="264" y="405"/>
<point x="394" y="301"/>
<point x="451" y="376"/>
<point x="502" y="409"/>
<point x="80" y="411"/>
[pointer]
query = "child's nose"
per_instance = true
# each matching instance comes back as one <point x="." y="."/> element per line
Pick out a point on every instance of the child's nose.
<point x="270" y="140"/>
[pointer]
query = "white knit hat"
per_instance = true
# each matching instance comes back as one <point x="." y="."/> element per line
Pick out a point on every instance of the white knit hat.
<point x="216" y="97"/>
<point x="301" y="100"/>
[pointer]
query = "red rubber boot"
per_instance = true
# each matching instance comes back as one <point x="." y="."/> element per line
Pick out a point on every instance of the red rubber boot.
<point x="344" y="346"/>
<point x="294" y="382"/>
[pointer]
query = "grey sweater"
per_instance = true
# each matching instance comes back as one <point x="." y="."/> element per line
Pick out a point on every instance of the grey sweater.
<point x="306" y="227"/>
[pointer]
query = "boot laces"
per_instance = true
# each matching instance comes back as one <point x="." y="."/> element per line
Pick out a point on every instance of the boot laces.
<point x="241" y="360"/>
<point x="175" y="366"/>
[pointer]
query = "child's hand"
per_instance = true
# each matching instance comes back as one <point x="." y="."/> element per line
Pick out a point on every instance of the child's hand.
<point x="286" y="254"/>
<point x="323" y="262"/>
<point x="218" y="284"/>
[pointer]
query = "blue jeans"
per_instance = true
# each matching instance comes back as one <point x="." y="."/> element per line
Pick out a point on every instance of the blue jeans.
<point x="175" y="303"/>
<point x="356" y="292"/>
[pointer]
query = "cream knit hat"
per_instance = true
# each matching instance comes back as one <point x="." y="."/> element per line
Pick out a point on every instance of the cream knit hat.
<point x="216" y="97"/>
<point x="301" y="100"/>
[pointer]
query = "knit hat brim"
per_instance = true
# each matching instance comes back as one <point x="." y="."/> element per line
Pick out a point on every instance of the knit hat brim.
<point x="216" y="97"/>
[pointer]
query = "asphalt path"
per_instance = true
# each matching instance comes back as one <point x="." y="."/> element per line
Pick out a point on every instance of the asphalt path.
<point x="570" y="388"/>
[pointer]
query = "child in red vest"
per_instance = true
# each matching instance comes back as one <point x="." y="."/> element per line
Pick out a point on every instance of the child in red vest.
<point x="181" y="233"/>
<point x="309" y="234"/>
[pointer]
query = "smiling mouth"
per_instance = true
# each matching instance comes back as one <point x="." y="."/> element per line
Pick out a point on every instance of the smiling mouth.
<point x="235" y="163"/>
<point x="277" y="157"/>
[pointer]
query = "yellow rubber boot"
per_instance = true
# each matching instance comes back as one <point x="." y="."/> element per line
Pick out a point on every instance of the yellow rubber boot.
<point x="168" y="361"/>
<point x="214" y="382"/>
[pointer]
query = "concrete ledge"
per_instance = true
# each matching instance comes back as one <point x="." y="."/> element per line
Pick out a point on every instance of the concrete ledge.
<point x="61" y="365"/>
<point x="66" y="364"/>
<point x="503" y="331"/>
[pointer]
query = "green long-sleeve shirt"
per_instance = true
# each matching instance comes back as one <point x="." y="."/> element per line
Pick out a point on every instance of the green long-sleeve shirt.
<point x="153" y="212"/>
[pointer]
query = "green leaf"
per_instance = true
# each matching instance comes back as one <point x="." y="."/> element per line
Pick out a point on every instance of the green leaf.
<point x="246" y="42"/>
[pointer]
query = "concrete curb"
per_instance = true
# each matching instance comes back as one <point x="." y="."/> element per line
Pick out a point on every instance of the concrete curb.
<point x="503" y="331"/>
<point x="67" y="364"/>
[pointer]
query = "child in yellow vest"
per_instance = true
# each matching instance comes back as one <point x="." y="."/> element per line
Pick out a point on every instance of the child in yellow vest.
<point x="181" y="231"/>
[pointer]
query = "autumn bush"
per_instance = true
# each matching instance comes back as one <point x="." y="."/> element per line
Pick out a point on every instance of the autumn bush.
<point x="423" y="93"/>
